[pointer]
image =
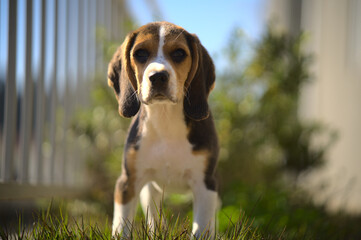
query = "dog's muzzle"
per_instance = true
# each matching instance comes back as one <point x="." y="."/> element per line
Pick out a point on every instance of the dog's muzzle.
<point x="159" y="86"/>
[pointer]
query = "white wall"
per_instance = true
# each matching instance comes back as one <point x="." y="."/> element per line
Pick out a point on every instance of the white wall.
<point x="334" y="29"/>
<point x="334" y="98"/>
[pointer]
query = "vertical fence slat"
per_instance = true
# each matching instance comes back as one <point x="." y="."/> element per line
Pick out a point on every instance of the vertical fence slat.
<point x="2" y="84"/>
<point x="27" y="106"/>
<point x="113" y="22"/>
<point x="78" y="94"/>
<point x="86" y="53"/>
<point x="100" y="23"/>
<point x="92" y="19"/>
<point x="80" y="59"/>
<point x="85" y="47"/>
<point x="62" y="61"/>
<point x="108" y="18"/>
<point x="66" y="93"/>
<point x="40" y="98"/>
<point x="10" y="98"/>
<point x="73" y="91"/>
<point x="54" y="95"/>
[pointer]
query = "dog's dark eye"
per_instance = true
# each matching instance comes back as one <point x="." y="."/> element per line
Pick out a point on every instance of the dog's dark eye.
<point x="178" y="55"/>
<point x="141" y="55"/>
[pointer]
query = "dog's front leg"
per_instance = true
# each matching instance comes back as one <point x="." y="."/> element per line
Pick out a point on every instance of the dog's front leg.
<point x="204" y="210"/>
<point x="150" y="199"/>
<point x="125" y="203"/>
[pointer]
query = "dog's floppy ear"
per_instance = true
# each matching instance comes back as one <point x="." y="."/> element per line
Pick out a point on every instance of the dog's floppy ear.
<point x="200" y="82"/>
<point x="122" y="78"/>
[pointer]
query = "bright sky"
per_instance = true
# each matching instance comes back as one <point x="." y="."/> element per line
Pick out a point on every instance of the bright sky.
<point x="211" y="20"/>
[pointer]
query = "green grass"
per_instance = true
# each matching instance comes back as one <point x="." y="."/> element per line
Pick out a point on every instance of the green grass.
<point x="58" y="224"/>
<point x="52" y="224"/>
<point x="248" y="212"/>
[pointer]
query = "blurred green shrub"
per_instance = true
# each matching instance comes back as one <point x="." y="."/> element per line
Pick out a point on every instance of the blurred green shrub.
<point x="256" y="109"/>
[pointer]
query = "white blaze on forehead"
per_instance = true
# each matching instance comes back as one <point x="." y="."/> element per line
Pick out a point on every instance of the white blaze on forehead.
<point x="160" y="54"/>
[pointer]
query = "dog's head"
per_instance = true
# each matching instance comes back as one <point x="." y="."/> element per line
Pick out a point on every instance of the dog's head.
<point x="161" y="63"/>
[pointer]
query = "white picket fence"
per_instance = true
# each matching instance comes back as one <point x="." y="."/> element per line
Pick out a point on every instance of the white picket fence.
<point x="48" y="54"/>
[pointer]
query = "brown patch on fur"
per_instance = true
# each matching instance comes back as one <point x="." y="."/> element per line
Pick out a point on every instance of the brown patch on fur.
<point x="212" y="87"/>
<point x="148" y="42"/>
<point x="125" y="187"/>
<point x="203" y="152"/>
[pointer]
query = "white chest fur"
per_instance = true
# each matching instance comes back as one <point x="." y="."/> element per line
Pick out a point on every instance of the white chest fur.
<point x="165" y="154"/>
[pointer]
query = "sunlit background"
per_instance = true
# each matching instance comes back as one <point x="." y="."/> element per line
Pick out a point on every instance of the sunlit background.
<point x="286" y="106"/>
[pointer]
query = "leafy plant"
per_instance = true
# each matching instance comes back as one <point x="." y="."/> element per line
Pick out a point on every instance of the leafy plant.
<point x="256" y="107"/>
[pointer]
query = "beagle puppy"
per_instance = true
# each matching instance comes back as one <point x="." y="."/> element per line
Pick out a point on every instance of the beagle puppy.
<point x="162" y="76"/>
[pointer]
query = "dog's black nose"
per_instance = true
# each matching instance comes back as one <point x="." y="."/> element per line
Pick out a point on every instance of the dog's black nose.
<point x="159" y="78"/>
